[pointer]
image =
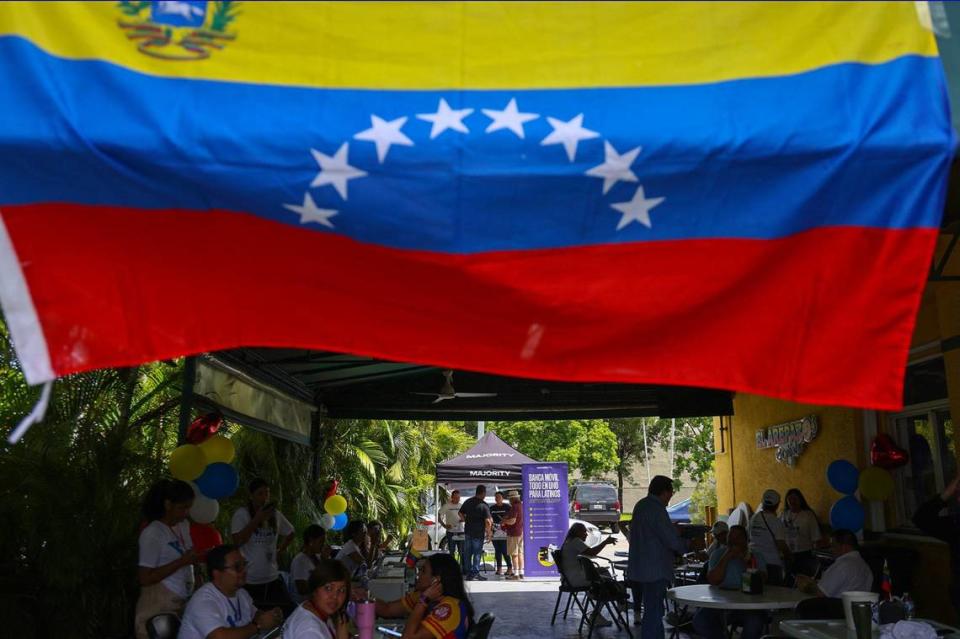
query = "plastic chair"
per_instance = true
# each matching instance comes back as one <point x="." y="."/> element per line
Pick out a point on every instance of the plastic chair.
<point x="603" y="592"/>
<point x="565" y="587"/>
<point x="481" y="629"/>
<point x="163" y="626"/>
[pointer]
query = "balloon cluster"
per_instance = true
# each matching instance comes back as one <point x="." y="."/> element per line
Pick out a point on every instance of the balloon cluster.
<point x="205" y="464"/>
<point x="336" y="506"/>
<point x="874" y="484"/>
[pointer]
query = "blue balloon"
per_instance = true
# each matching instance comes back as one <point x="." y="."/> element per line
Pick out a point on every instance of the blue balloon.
<point x="218" y="480"/>
<point x="843" y="476"/>
<point x="339" y="521"/>
<point x="847" y="513"/>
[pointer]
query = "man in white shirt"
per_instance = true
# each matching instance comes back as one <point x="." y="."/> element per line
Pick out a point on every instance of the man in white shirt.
<point x="769" y="538"/>
<point x="849" y="572"/>
<point x="222" y="609"/>
<point x="450" y="520"/>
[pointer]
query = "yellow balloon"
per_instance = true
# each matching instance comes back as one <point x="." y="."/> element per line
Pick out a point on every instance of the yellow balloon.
<point x="218" y="449"/>
<point x="335" y="504"/>
<point x="876" y="484"/>
<point x="187" y="462"/>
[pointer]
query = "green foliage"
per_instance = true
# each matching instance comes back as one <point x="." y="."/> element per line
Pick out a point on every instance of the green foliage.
<point x="586" y="445"/>
<point x="132" y="9"/>
<point x="224" y="13"/>
<point x="705" y="494"/>
<point x="72" y="487"/>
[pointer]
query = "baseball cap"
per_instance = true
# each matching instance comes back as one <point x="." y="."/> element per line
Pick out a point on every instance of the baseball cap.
<point x="771" y="497"/>
<point x="719" y="528"/>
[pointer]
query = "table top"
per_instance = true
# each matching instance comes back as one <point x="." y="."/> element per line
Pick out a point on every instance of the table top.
<point x="703" y="596"/>
<point x="621" y="553"/>
<point x="836" y="629"/>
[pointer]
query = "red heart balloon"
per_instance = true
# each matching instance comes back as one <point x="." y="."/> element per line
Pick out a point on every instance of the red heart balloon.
<point x="334" y="485"/>
<point x="885" y="453"/>
<point x="203" y="428"/>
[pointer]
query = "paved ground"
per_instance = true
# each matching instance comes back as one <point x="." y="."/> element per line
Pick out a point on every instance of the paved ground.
<point x="523" y="608"/>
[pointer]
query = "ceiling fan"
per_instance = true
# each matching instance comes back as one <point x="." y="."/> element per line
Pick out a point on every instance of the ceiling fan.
<point x="447" y="391"/>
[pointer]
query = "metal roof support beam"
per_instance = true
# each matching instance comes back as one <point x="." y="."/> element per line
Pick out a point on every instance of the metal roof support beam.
<point x="186" y="397"/>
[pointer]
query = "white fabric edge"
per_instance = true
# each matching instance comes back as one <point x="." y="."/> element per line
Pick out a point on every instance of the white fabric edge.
<point x="21" y="315"/>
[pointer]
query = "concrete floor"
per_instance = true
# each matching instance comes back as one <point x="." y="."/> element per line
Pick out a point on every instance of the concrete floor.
<point x="523" y="608"/>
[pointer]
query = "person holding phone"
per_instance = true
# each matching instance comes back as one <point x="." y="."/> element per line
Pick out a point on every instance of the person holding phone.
<point x="262" y="532"/>
<point x="166" y="555"/>
<point x="438" y="606"/>
<point x="323" y="614"/>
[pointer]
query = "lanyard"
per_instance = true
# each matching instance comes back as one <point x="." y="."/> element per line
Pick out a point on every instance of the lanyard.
<point x="237" y="611"/>
<point x="176" y="533"/>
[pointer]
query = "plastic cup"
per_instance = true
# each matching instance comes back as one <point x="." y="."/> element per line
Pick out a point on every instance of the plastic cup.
<point x="852" y="597"/>
<point x="862" y="613"/>
<point x="366" y="619"/>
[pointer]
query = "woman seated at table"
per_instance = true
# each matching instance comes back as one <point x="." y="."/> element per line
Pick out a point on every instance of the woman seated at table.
<point x="726" y="568"/>
<point x="438" y="607"/>
<point x="322" y="615"/>
<point x="353" y="553"/>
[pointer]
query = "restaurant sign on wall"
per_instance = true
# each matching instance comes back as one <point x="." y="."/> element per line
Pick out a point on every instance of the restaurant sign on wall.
<point x="789" y="439"/>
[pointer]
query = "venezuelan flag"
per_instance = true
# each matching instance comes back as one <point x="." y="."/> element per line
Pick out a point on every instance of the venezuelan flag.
<point x="729" y="195"/>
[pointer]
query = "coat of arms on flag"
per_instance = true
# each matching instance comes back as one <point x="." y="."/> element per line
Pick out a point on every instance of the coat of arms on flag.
<point x="178" y="30"/>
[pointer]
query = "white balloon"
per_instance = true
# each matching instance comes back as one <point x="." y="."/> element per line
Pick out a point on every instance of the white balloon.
<point x="204" y="509"/>
<point x="327" y="521"/>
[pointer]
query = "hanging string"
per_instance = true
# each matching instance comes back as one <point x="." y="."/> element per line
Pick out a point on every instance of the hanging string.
<point x="34" y="416"/>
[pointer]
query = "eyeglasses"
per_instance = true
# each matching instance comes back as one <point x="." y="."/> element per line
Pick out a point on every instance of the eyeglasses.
<point x="239" y="566"/>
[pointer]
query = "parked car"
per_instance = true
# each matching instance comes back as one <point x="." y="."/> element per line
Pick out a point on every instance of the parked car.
<point x="597" y="503"/>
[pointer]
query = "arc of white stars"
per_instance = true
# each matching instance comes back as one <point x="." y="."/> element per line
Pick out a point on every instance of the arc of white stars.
<point x="335" y="169"/>
<point x="509" y="118"/>
<point x="615" y="167"/>
<point x="446" y="118"/>
<point x="569" y="134"/>
<point x="309" y="212"/>
<point x="637" y="209"/>
<point x="385" y="134"/>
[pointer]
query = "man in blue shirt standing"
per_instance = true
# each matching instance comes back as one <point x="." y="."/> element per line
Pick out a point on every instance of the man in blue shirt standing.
<point x="653" y="543"/>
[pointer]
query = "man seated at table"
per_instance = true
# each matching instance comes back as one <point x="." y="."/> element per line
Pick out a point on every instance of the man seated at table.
<point x="726" y="568"/>
<point x="575" y="545"/>
<point x="221" y="608"/>
<point x="849" y="572"/>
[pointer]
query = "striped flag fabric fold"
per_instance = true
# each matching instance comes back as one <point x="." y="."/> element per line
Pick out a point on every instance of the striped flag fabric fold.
<point x="729" y="195"/>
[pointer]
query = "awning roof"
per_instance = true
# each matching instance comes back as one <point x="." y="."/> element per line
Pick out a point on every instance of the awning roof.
<point x="356" y="387"/>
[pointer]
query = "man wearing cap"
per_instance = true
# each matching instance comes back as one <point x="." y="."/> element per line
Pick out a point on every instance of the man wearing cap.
<point x="653" y="543"/>
<point x="768" y="538"/>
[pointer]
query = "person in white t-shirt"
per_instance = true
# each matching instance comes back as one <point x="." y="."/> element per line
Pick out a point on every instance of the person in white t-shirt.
<point x="849" y="572"/>
<point x="451" y="522"/>
<point x="322" y="615"/>
<point x="803" y="533"/>
<point x="166" y="556"/>
<point x="314" y="549"/>
<point x="262" y="532"/>
<point x="221" y="608"/>
<point x="353" y="552"/>
<point x="768" y="538"/>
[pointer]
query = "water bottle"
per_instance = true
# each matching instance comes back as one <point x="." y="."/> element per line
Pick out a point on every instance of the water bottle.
<point x="362" y="576"/>
<point x="909" y="608"/>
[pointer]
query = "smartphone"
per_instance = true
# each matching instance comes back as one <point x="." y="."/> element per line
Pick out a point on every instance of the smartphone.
<point x="390" y="632"/>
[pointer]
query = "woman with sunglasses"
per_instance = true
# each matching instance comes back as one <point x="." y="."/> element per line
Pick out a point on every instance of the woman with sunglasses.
<point x="322" y="615"/>
<point x="438" y="607"/>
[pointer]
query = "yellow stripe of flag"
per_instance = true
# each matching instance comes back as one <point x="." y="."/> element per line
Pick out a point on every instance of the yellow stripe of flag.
<point x="497" y="45"/>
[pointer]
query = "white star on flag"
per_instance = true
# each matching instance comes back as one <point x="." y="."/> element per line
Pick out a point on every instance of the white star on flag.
<point x="637" y="209"/>
<point x="568" y="134"/>
<point x="509" y="118"/>
<point x="615" y="167"/>
<point x="446" y="118"/>
<point x="335" y="170"/>
<point x="310" y="213"/>
<point x="384" y="134"/>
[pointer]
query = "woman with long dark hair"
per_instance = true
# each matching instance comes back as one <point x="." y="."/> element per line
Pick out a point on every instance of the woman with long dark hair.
<point x="166" y="554"/>
<point x="803" y="533"/>
<point x="322" y="615"/>
<point x="262" y="532"/>
<point x="438" y="606"/>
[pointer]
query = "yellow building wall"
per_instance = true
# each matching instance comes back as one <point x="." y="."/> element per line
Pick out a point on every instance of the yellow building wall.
<point x="754" y="470"/>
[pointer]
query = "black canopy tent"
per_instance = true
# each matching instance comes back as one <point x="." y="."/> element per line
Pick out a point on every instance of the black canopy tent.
<point x="490" y="461"/>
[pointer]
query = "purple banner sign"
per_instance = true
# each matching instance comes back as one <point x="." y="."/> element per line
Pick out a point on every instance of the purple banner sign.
<point x="545" y="520"/>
